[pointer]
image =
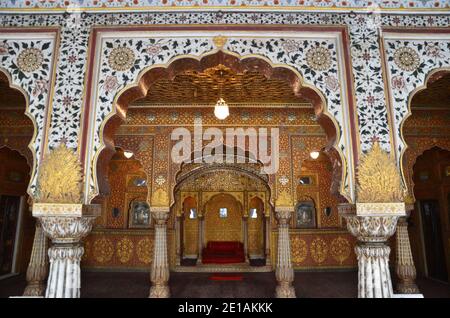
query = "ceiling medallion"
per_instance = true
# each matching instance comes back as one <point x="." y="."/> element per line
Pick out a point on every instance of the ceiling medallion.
<point x="407" y="59"/>
<point x="30" y="60"/>
<point x="318" y="58"/>
<point x="121" y="59"/>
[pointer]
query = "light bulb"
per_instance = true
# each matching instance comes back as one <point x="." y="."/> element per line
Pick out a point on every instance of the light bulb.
<point x="314" y="154"/>
<point x="128" y="154"/>
<point x="221" y="110"/>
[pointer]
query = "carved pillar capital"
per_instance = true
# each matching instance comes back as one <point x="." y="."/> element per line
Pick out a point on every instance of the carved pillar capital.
<point x="283" y="215"/>
<point x="160" y="215"/>
<point x="371" y="228"/>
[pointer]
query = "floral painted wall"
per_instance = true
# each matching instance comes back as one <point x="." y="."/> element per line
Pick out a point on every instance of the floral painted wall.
<point x="71" y="92"/>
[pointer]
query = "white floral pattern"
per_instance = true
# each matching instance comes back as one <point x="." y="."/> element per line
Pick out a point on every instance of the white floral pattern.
<point x="433" y="54"/>
<point x="65" y="123"/>
<point x="29" y="63"/>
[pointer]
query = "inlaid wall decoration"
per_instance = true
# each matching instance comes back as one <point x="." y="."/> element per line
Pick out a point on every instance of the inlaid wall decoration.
<point x="410" y="62"/>
<point x="122" y="59"/>
<point x="369" y="95"/>
<point x="124" y="249"/>
<point x="143" y="4"/>
<point x="27" y="59"/>
<point x="326" y="249"/>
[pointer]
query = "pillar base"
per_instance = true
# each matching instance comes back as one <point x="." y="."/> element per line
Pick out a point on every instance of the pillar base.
<point x="284" y="290"/>
<point x="407" y="288"/>
<point x="34" y="289"/>
<point x="159" y="291"/>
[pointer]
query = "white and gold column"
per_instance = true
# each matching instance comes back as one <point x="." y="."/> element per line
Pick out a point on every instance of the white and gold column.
<point x="404" y="266"/>
<point x="65" y="225"/>
<point x="373" y="224"/>
<point x="159" y="274"/>
<point x="284" y="271"/>
<point x="37" y="270"/>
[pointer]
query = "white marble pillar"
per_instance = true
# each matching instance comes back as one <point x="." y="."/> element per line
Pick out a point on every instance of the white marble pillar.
<point x="65" y="275"/>
<point x="404" y="266"/>
<point x="372" y="224"/>
<point x="284" y="271"/>
<point x="65" y="225"/>
<point x="159" y="275"/>
<point x="37" y="270"/>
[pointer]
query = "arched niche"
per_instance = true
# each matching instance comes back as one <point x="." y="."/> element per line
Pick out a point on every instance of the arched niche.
<point x="148" y="76"/>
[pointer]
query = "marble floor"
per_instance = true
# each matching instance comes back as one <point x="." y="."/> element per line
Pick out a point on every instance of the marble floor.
<point x="188" y="285"/>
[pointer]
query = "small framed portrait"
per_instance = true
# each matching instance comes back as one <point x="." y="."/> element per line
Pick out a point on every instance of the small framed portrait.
<point x="305" y="215"/>
<point x="139" y="214"/>
<point x="309" y="180"/>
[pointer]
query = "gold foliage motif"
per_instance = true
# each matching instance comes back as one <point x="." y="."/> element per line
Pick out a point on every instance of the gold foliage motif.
<point x="220" y="41"/>
<point x="60" y="177"/>
<point x="160" y="198"/>
<point x="378" y="178"/>
<point x="284" y="199"/>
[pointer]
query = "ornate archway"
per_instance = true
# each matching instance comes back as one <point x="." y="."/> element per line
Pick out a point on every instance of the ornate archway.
<point x="327" y="108"/>
<point x="206" y="184"/>
<point x="319" y="83"/>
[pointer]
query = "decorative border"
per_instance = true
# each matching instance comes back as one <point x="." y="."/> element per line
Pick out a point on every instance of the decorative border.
<point x="134" y="5"/>
<point x="27" y="57"/>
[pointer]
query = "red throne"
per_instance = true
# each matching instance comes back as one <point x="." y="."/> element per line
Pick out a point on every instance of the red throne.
<point x="224" y="252"/>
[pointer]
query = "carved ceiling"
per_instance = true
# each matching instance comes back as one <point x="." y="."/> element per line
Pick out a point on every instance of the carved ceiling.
<point x="10" y="98"/>
<point x="193" y="87"/>
<point x="437" y="94"/>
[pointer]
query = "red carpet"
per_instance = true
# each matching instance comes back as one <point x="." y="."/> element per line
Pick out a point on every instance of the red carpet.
<point x="221" y="277"/>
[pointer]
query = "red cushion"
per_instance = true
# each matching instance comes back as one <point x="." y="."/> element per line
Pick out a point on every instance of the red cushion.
<point x="223" y="252"/>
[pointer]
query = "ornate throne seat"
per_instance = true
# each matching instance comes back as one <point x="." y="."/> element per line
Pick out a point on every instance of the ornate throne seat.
<point x="223" y="252"/>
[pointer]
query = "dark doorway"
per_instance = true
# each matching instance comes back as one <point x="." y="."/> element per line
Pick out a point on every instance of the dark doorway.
<point x="9" y="215"/>
<point x="434" y="249"/>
